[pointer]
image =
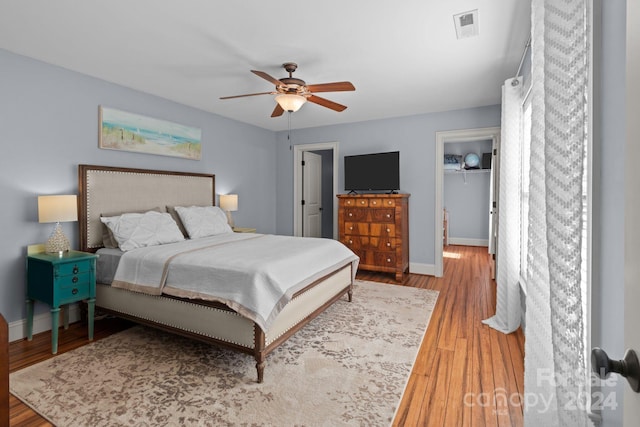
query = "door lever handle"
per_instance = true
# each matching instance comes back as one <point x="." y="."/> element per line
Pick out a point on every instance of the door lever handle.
<point x="629" y="367"/>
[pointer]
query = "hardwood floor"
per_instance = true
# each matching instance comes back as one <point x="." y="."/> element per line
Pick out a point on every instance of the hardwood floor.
<point x="466" y="374"/>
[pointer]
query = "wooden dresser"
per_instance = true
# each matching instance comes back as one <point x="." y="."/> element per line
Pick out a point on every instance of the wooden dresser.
<point x="376" y="228"/>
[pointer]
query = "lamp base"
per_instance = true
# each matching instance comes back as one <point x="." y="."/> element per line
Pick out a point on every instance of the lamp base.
<point x="58" y="242"/>
<point x="230" y="219"/>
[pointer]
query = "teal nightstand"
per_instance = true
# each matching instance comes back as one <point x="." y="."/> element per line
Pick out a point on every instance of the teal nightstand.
<point x="60" y="280"/>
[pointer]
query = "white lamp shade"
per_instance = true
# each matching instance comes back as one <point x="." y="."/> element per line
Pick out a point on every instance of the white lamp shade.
<point x="62" y="208"/>
<point x="229" y="202"/>
<point x="290" y="102"/>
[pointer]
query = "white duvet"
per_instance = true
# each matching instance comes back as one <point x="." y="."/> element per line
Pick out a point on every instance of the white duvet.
<point x="254" y="274"/>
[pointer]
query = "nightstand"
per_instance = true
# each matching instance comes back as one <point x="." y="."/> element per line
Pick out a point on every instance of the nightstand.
<point x="57" y="281"/>
<point x="244" y="230"/>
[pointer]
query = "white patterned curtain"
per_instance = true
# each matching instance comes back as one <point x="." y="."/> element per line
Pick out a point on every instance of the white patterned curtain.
<point x="555" y="366"/>
<point x="508" y="309"/>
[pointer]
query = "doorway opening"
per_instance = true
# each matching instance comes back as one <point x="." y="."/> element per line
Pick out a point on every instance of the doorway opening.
<point x="466" y="135"/>
<point x="321" y="213"/>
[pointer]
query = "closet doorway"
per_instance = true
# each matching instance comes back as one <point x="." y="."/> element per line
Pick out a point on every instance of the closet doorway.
<point x="465" y="136"/>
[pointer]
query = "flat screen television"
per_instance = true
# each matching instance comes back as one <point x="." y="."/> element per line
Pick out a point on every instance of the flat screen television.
<point x="372" y="172"/>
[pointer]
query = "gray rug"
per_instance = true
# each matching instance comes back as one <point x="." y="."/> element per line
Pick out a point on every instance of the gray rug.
<point x="347" y="367"/>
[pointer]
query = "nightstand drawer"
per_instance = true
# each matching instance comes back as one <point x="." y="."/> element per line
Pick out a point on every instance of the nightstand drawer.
<point x="70" y="268"/>
<point x="73" y="292"/>
<point x="73" y="280"/>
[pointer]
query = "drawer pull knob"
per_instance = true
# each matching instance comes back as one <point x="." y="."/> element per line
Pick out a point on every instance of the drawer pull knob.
<point x="389" y="202"/>
<point x="75" y="279"/>
<point x="362" y="202"/>
<point x="350" y="214"/>
<point x="374" y="203"/>
<point x="350" y="242"/>
<point x="388" y="259"/>
<point x="351" y="228"/>
<point x="388" y="215"/>
<point x="388" y="230"/>
<point x="75" y="269"/>
<point x="388" y="244"/>
<point x="74" y="291"/>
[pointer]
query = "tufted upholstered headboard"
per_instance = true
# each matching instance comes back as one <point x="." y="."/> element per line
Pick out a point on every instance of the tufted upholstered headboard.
<point x="112" y="190"/>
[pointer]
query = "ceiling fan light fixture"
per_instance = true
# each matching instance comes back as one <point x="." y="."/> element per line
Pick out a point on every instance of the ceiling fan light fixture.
<point x="290" y="102"/>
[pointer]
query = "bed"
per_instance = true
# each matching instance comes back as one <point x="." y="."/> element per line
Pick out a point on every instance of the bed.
<point x="106" y="191"/>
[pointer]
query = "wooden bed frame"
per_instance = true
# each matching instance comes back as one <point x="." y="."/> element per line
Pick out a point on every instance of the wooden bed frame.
<point x="104" y="189"/>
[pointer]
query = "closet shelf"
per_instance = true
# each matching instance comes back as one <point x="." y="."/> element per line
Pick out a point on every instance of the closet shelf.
<point x="467" y="171"/>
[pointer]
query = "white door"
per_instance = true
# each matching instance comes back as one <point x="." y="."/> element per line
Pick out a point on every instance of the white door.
<point x="311" y="194"/>
<point x="632" y="207"/>
<point x="493" y="200"/>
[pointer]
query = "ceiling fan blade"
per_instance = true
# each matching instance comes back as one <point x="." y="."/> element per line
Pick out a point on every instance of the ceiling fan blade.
<point x="326" y="103"/>
<point x="277" y="112"/>
<point x="331" y="87"/>
<point x="248" y="94"/>
<point x="267" y="77"/>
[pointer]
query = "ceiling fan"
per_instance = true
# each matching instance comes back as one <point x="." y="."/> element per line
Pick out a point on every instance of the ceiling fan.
<point x="291" y="93"/>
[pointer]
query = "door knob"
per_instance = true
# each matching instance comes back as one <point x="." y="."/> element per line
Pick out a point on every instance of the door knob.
<point x="627" y="367"/>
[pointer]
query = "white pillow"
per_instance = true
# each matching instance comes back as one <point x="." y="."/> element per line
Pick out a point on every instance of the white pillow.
<point x="138" y="230"/>
<point x="203" y="221"/>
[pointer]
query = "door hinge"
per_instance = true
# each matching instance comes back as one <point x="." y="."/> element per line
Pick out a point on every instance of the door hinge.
<point x="303" y="163"/>
<point x="303" y="203"/>
<point x="494" y="205"/>
<point x="495" y="152"/>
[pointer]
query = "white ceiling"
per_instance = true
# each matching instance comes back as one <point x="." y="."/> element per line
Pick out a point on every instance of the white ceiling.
<point x="402" y="56"/>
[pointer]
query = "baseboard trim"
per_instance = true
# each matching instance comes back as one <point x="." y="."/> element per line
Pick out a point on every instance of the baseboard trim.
<point x="463" y="241"/>
<point x="41" y="323"/>
<point x="425" y="269"/>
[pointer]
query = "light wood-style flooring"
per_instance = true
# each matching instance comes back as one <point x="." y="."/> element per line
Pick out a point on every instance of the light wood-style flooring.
<point x="466" y="374"/>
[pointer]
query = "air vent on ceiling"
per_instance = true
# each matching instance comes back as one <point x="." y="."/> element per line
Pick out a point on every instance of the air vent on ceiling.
<point x="466" y="24"/>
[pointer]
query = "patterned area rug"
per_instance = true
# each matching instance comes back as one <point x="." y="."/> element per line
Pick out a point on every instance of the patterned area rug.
<point x="347" y="367"/>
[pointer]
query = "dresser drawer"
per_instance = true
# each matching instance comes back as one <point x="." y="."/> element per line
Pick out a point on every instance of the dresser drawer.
<point x="356" y="228"/>
<point x="383" y="215"/>
<point x="369" y="229"/>
<point x="352" y="202"/>
<point x="385" y="261"/>
<point x="381" y="244"/>
<point x="355" y="242"/>
<point x="381" y="229"/>
<point x="355" y="214"/>
<point x="383" y="258"/>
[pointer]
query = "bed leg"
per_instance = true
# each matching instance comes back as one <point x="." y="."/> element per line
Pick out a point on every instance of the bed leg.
<point x="260" y="368"/>
<point x="350" y="293"/>
<point x="258" y="345"/>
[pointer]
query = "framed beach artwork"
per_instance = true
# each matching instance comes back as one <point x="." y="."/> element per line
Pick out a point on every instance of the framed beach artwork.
<point x="120" y="130"/>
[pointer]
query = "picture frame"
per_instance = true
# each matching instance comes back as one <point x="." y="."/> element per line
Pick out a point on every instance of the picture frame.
<point x="121" y="130"/>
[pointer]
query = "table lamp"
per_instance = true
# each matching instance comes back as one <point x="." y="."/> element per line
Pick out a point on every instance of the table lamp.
<point x="60" y="208"/>
<point x="229" y="203"/>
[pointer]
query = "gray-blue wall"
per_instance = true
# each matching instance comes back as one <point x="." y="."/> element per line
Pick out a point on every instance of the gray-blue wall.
<point x="49" y="125"/>
<point x="413" y="136"/>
